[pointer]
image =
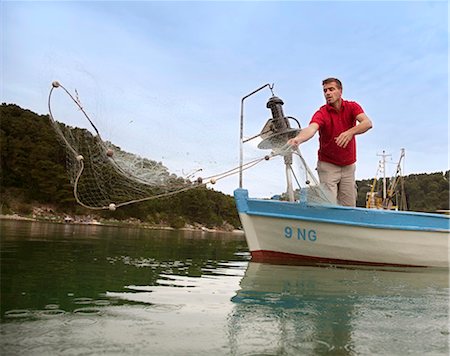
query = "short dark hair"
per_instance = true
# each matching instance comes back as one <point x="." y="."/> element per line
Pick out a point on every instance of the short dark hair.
<point x="331" y="80"/>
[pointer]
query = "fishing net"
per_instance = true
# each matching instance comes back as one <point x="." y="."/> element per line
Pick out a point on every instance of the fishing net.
<point x="307" y="187"/>
<point x="106" y="177"/>
<point x="103" y="175"/>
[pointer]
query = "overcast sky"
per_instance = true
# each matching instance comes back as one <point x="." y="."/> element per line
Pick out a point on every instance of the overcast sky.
<point x="165" y="79"/>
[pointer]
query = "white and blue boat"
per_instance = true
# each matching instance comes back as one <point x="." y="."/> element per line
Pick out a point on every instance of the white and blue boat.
<point x="282" y="231"/>
<point x="304" y="231"/>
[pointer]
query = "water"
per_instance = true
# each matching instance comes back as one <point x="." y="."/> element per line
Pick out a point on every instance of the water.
<point x="90" y="290"/>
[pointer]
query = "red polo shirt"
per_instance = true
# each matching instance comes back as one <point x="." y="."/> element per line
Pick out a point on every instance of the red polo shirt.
<point x="331" y="124"/>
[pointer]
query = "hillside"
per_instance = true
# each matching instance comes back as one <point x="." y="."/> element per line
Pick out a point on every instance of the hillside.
<point x="425" y="192"/>
<point x="33" y="174"/>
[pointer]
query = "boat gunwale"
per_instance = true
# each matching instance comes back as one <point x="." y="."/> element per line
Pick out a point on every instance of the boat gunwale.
<point x="293" y="210"/>
<point x="347" y="223"/>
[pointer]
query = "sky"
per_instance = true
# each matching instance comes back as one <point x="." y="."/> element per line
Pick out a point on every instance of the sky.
<point x="165" y="80"/>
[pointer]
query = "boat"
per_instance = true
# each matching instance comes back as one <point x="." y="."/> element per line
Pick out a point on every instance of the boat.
<point x="289" y="231"/>
<point x="392" y="197"/>
<point x="303" y="229"/>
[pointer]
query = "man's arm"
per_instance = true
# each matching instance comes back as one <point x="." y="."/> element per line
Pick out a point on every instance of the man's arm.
<point x="304" y="135"/>
<point x="364" y="124"/>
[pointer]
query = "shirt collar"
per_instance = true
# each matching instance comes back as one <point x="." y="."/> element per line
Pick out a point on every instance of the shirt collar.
<point x="330" y="108"/>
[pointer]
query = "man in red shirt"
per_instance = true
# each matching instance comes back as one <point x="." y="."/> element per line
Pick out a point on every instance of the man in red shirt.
<point x="338" y="121"/>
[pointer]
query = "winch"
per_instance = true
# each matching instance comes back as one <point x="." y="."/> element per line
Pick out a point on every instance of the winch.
<point x="275" y="135"/>
<point x="277" y="130"/>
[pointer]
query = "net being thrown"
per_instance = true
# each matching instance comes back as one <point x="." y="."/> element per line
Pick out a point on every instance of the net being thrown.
<point x="105" y="177"/>
<point x="102" y="175"/>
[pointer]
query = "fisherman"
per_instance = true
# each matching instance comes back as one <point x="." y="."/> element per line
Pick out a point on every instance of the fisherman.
<point x="338" y="121"/>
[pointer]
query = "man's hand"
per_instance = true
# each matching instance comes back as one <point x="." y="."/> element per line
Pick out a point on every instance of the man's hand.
<point x="363" y="125"/>
<point x="294" y="142"/>
<point x="344" y="138"/>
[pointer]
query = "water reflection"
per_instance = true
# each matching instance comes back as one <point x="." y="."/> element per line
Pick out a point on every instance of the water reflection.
<point x="214" y="288"/>
<point x="316" y="310"/>
<point x="58" y="264"/>
<point x="100" y="290"/>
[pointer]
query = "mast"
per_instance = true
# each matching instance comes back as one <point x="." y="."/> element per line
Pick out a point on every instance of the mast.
<point x="383" y="169"/>
<point x="388" y="200"/>
<point x="241" y="131"/>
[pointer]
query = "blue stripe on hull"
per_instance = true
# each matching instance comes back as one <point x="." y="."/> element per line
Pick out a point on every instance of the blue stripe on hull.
<point x="379" y="219"/>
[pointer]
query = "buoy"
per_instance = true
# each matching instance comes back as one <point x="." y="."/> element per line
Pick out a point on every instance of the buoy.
<point x="80" y="158"/>
<point x="55" y="84"/>
<point x="112" y="206"/>
<point x="212" y="181"/>
<point x="109" y="152"/>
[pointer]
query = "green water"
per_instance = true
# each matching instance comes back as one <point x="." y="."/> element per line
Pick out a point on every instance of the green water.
<point x="92" y="290"/>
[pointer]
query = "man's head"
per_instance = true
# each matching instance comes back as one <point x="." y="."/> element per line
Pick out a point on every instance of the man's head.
<point x="332" y="90"/>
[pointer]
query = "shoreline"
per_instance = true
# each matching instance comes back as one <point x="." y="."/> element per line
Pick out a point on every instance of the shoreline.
<point x="139" y="225"/>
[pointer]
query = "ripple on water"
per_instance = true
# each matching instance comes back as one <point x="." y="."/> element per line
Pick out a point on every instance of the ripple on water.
<point x="87" y="311"/>
<point x="18" y="313"/>
<point x="102" y="302"/>
<point x="163" y="308"/>
<point x="52" y="306"/>
<point x="82" y="300"/>
<point x="49" y="313"/>
<point x="78" y="322"/>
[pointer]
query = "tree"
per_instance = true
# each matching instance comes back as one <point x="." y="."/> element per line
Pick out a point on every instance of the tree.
<point x="33" y="165"/>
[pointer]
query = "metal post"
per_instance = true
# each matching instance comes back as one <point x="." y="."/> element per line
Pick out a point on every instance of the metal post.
<point x="290" y="189"/>
<point x="241" y="143"/>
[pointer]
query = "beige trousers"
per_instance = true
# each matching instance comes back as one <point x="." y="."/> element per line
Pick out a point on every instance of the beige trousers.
<point x="340" y="181"/>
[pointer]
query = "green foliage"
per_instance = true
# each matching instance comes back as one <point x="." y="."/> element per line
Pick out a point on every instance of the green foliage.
<point x="364" y="187"/>
<point x="426" y="192"/>
<point x="31" y="157"/>
<point x="33" y="163"/>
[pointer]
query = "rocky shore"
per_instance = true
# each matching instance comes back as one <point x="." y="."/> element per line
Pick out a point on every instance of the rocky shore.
<point x="88" y="220"/>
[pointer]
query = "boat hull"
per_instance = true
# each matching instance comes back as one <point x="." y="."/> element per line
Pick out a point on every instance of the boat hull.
<point x="292" y="232"/>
